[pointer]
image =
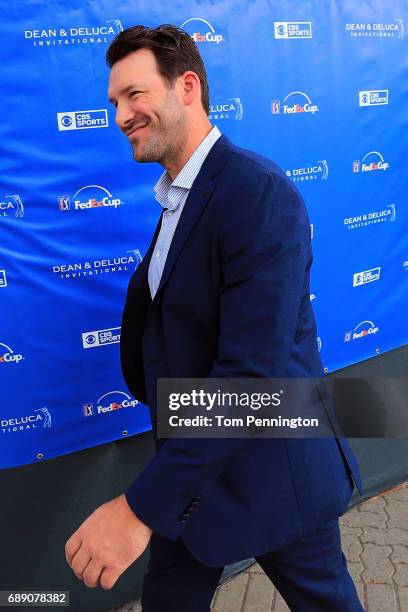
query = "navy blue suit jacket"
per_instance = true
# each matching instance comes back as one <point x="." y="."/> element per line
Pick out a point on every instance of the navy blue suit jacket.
<point x="233" y="301"/>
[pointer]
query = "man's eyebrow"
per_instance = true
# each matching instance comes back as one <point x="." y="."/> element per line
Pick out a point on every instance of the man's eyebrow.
<point x="122" y="91"/>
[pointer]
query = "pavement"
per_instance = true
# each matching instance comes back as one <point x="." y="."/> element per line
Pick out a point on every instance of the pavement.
<point x="375" y="542"/>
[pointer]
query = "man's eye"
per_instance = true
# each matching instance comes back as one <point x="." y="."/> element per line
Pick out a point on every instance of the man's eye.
<point x="132" y="93"/>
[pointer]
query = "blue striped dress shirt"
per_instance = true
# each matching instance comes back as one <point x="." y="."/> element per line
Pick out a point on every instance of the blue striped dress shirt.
<point x="172" y="196"/>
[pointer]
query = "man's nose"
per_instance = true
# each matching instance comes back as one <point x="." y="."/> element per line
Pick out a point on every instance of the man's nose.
<point x="124" y="116"/>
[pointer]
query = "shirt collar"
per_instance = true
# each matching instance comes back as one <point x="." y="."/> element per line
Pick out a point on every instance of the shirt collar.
<point x="168" y="192"/>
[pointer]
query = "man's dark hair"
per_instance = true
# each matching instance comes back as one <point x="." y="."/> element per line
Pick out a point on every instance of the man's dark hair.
<point x="174" y="50"/>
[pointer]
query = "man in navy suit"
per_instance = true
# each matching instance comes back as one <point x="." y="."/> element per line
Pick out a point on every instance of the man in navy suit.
<point x="222" y="292"/>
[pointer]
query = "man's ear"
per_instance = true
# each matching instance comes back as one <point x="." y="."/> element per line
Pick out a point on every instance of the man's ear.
<point x="191" y="87"/>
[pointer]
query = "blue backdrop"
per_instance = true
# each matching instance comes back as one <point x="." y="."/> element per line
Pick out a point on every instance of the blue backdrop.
<point x="319" y="87"/>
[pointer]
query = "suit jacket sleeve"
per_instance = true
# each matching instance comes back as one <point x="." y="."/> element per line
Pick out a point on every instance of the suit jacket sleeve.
<point x="265" y="253"/>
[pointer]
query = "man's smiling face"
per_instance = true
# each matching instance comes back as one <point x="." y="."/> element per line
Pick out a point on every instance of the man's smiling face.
<point x="148" y="111"/>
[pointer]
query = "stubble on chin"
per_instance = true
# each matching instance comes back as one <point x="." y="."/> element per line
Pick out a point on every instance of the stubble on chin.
<point x="151" y="150"/>
<point x="164" y="147"/>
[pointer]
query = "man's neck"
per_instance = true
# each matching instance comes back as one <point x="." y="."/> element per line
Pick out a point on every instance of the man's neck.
<point x="175" y="166"/>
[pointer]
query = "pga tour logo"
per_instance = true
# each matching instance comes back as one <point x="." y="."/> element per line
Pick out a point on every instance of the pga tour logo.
<point x="114" y="400"/>
<point x="293" y="29"/>
<point x="83" y="120"/>
<point x="375" y="97"/>
<point x="3" y="278"/>
<point x="303" y="105"/>
<point x="368" y="276"/>
<point x="101" y="337"/>
<point x="370" y="162"/>
<point x="201" y="31"/>
<point x="362" y="330"/>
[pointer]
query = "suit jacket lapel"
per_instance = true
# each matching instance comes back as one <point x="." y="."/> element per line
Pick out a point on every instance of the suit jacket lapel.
<point x="196" y="202"/>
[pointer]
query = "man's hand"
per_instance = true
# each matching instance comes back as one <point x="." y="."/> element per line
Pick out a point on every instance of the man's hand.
<point x="106" y="543"/>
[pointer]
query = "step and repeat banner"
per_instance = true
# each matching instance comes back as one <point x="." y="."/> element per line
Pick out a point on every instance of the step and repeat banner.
<point x="319" y="87"/>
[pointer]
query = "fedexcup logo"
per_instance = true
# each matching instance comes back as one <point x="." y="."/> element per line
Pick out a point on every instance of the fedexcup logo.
<point x="101" y="337"/>
<point x="113" y="400"/>
<point x="367" y="276"/>
<point x="82" y="120"/>
<point x="231" y="109"/>
<point x="30" y="421"/>
<point x="88" y="197"/>
<point x="293" y="29"/>
<point x="362" y="330"/>
<point x="201" y="31"/>
<point x="371" y="162"/>
<point x="7" y="355"/>
<point x="384" y="215"/>
<point x="12" y="206"/>
<point x="295" y="103"/>
<point x="74" y="35"/>
<point x="390" y="29"/>
<point x="375" y="97"/>
<point x="317" y="171"/>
